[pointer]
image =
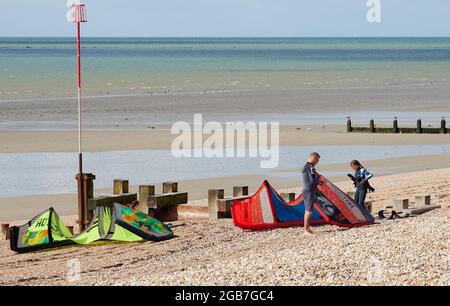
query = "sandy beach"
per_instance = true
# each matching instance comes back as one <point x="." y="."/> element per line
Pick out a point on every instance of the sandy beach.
<point x="412" y="251"/>
<point x="161" y="139"/>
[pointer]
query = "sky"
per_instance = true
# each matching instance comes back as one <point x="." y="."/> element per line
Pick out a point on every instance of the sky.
<point x="227" y="18"/>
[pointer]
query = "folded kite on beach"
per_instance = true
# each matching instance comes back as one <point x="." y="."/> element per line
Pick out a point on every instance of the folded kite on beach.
<point x="266" y="209"/>
<point x="119" y="223"/>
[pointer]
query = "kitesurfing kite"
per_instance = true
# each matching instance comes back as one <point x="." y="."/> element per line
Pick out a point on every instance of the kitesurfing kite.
<point x="118" y="223"/>
<point x="266" y="209"/>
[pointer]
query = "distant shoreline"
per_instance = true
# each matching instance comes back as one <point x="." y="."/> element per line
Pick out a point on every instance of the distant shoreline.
<point x="227" y="37"/>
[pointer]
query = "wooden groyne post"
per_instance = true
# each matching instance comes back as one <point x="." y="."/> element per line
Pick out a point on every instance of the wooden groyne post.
<point x="5" y="231"/>
<point x="401" y="204"/>
<point x="396" y="129"/>
<point x="121" y="186"/>
<point x="423" y="200"/>
<point x="120" y="195"/>
<point x="145" y="192"/>
<point x="444" y="129"/>
<point x="85" y="215"/>
<point x="288" y="196"/>
<point x="163" y="207"/>
<point x="369" y="206"/>
<point x="213" y="196"/>
<point x="372" y="126"/>
<point x="240" y="191"/>
<point x="395" y="126"/>
<point x="419" y="127"/>
<point x="219" y="206"/>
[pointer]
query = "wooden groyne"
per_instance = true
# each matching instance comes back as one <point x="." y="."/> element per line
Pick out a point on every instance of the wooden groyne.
<point x="395" y="129"/>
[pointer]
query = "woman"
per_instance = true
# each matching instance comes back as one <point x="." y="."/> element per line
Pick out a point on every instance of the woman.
<point x="361" y="179"/>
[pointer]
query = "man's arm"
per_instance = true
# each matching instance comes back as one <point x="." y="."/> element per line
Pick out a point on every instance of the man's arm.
<point x="316" y="176"/>
<point x="312" y="176"/>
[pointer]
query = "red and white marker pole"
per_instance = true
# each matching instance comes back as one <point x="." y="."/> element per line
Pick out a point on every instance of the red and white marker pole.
<point x="80" y="138"/>
<point x="77" y="15"/>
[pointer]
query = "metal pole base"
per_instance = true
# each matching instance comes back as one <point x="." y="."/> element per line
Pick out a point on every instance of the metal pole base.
<point x="85" y="182"/>
<point x="81" y="201"/>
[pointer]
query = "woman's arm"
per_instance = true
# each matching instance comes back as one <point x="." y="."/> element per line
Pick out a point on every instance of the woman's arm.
<point x="366" y="174"/>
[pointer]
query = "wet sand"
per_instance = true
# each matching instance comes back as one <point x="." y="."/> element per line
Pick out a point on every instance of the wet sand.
<point x="161" y="138"/>
<point x="146" y="111"/>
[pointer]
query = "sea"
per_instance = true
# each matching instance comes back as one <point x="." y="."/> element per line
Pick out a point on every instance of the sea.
<point x="44" y="68"/>
<point x="33" y="68"/>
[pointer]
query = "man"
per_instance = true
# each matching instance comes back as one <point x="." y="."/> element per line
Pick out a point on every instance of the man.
<point x="311" y="179"/>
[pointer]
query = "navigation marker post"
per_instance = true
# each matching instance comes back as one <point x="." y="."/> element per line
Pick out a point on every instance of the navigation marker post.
<point x="77" y="15"/>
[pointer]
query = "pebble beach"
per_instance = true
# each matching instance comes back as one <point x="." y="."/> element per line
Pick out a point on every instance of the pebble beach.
<point x="411" y="251"/>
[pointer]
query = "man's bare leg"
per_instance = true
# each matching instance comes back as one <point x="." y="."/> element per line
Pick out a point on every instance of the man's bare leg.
<point x="307" y="230"/>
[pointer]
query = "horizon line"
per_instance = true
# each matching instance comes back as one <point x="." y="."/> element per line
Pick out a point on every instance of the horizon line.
<point x="320" y="36"/>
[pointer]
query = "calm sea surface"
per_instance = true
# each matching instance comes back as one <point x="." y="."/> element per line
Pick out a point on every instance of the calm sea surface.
<point x="45" y="67"/>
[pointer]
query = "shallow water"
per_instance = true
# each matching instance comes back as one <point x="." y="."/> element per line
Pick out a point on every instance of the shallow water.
<point x="53" y="173"/>
<point x="45" y="67"/>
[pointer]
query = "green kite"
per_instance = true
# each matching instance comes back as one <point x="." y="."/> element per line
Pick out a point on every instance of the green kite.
<point x="118" y="223"/>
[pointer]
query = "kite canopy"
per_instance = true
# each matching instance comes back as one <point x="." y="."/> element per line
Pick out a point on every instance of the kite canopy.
<point x="118" y="223"/>
<point x="266" y="209"/>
